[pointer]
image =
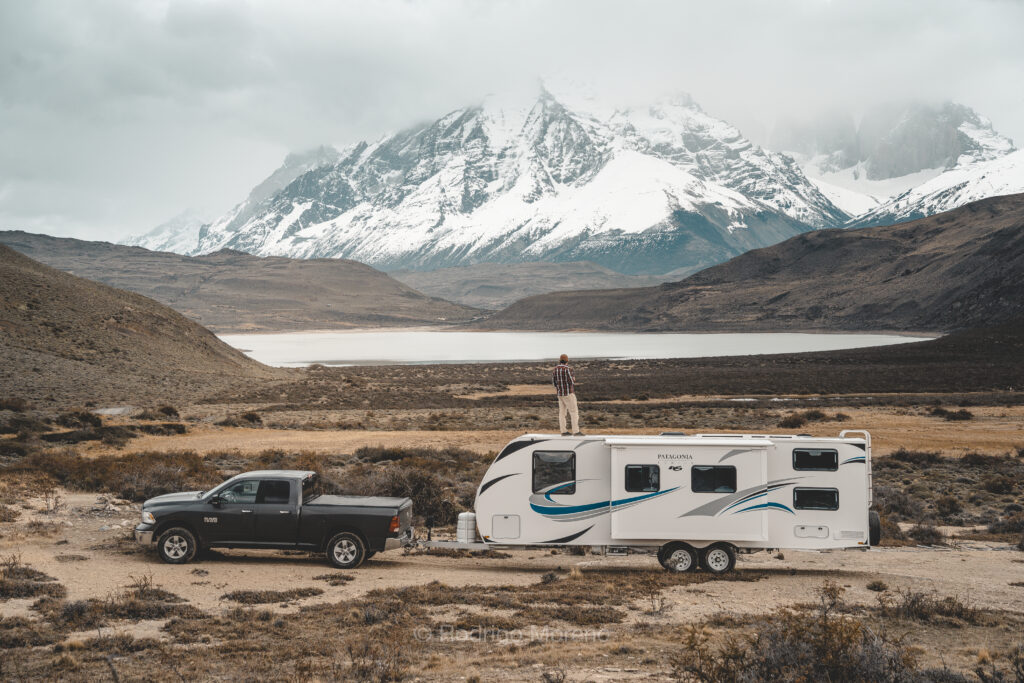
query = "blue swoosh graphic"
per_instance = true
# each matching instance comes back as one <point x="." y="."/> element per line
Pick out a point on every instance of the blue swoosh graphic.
<point x="857" y="459"/>
<point x="777" y="506"/>
<point x="570" y="509"/>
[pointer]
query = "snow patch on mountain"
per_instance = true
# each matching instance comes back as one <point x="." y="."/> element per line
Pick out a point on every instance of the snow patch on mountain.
<point x="180" y="234"/>
<point x="966" y="183"/>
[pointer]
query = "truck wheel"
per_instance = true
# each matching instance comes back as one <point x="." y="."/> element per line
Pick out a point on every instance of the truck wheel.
<point x="177" y="545"/>
<point x="369" y="554"/>
<point x="874" y="528"/>
<point x="346" y="551"/>
<point x="677" y="557"/>
<point x="718" y="558"/>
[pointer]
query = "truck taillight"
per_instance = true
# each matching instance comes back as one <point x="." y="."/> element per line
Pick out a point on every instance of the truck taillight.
<point x="393" y="528"/>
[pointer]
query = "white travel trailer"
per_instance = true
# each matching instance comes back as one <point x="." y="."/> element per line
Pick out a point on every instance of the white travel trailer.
<point x="696" y="499"/>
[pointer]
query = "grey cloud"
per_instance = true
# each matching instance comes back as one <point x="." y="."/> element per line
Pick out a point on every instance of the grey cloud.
<point x="116" y="114"/>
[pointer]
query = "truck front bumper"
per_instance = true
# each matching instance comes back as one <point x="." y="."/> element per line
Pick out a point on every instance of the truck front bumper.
<point x="406" y="539"/>
<point x="144" y="534"/>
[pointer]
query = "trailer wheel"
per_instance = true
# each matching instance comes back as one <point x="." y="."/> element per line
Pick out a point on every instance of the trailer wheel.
<point x="677" y="557"/>
<point x="874" y="528"/>
<point x="346" y="550"/>
<point x="718" y="558"/>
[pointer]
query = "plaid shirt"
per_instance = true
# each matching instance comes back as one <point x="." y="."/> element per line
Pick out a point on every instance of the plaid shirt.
<point x="563" y="380"/>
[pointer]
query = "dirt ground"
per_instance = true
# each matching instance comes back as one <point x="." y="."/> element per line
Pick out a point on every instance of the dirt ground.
<point x="994" y="430"/>
<point x="95" y="533"/>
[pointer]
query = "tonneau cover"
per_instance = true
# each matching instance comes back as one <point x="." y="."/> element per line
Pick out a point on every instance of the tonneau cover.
<point x="361" y="501"/>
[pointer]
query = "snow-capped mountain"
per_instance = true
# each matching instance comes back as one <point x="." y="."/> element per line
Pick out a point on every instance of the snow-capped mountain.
<point x="639" y="190"/>
<point x="179" y="234"/>
<point x="892" y="150"/>
<point x="967" y="182"/>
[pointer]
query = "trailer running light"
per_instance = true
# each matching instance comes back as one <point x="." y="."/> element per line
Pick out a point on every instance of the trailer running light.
<point x="393" y="528"/>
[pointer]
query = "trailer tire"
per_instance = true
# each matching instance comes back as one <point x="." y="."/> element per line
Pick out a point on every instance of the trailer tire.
<point x="874" y="528"/>
<point x="718" y="558"/>
<point x="346" y="550"/>
<point x="677" y="557"/>
<point x="177" y="545"/>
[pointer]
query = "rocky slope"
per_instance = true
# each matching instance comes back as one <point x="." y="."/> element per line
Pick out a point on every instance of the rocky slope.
<point x="230" y="291"/>
<point x="641" y="190"/>
<point x="67" y="340"/>
<point x="963" y="268"/>
<point x="496" y="285"/>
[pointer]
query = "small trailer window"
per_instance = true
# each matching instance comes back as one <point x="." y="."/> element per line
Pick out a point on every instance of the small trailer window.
<point x="643" y="478"/>
<point x="822" y="460"/>
<point x="554" y="472"/>
<point x="713" y="479"/>
<point x="815" y="499"/>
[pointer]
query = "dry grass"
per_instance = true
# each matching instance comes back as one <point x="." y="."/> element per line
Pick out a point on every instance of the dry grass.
<point x="268" y="596"/>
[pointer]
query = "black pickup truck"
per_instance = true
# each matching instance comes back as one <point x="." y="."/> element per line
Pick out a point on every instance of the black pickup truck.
<point x="280" y="509"/>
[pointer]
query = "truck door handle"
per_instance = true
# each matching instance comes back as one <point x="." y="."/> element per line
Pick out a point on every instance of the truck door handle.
<point x="284" y="512"/>
<point x="246" y="512"/>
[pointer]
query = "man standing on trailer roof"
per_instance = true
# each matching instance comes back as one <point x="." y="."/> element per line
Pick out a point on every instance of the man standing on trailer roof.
<point x="565" y="387"/>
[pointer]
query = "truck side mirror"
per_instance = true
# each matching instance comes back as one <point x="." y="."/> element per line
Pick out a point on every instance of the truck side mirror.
<point x="216" y="501"/>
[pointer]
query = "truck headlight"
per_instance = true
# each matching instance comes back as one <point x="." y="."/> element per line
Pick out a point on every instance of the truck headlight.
<point x="148" y="518"/>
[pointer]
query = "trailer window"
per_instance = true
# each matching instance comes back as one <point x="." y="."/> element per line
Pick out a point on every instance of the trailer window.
<point x="815" y="499"/>
<point x="816" y="459"/>
<point x="554" y="472"/>
<point x="713" y="479"/>
<point x="643" y="478"/>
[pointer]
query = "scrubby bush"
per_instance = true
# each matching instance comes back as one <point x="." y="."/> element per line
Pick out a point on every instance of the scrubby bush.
<point x="793" y="421"/>
<point x="916" y="457"/>
<point x="905" y="603"/>
<point x="959" y="416"/>
<point x="926" y="534"/>
<point x="79" y="420"/>
<point x="815" y="646"/>
<point x="136" y="476"/>
<point x="948" y="505"/>
<point x="999" y="484"/>
<point x="17" y="405"/>
<point x="169" y="411"/>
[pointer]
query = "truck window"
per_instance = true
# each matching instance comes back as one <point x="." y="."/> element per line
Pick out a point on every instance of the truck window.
<point x="241" y="492"/>
<point x="273" y="491"/>
<point x="713" y="479"/>
<point x="554" y="472"/>
<point x="815" y="499"/>
<point x="816" y="459"/>
<point x="643" y="478"/>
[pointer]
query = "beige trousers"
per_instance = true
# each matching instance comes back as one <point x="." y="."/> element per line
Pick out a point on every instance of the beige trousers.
<point x="567" y="404"/>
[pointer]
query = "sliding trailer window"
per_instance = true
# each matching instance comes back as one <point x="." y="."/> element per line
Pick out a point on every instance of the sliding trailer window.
<point x="815" y="459"/>
<point x="713" y="479"/>
<point x="554" y="472"/>
<point x="643" y="478"/>
<point x="815" y="499"/>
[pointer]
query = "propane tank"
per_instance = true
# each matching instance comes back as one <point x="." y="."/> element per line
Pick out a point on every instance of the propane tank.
<point x="465" y="532"/>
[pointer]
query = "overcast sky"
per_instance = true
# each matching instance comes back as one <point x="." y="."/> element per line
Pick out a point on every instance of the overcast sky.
<point x="117" y="114"/>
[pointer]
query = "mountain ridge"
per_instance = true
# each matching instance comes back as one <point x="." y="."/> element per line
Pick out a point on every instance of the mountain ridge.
<point x="962" y="268"/>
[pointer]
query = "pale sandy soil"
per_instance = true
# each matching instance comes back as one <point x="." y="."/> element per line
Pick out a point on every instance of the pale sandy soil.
<point x="979" y="571"/>
<point x="994" y="430"/>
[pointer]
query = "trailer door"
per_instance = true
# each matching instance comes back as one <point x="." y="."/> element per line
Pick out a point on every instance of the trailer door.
<point x="707" y="491"/>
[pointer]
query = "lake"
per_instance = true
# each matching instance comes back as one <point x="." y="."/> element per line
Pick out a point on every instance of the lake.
<point x="423" y="345"/>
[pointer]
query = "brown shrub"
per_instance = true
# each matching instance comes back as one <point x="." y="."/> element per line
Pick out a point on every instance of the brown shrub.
<point x="17" y="405"/>
<point x="21" y="581"/>
<point x="909" y="604"/>
<point x="816" y="646"/>
<point x="265" y="597"/>
<point x="927" y="534"/>
<point x="135" y="476"/>
<point x="793" y="421"/>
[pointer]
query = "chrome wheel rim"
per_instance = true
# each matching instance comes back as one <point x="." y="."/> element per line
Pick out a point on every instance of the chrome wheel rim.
<point x="680" y="560"/>
<point x="718" y="560"/>
<point x="175" y="547"/>
<point x="345" y="551"/>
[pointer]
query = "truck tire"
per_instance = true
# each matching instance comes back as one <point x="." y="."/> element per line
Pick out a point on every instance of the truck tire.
<point x="874" y="528"/>
<point x="346" y="550"/>
<point x="177" y="545"/>
<point x="678" y="557"/>
<point x="369" y="554"/>
<point x="718" y="558"/>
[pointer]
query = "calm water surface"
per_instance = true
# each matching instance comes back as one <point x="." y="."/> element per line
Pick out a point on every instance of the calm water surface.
<point x="415" y="346"/>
